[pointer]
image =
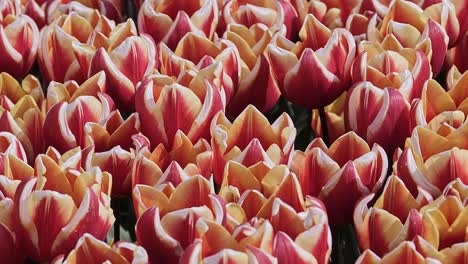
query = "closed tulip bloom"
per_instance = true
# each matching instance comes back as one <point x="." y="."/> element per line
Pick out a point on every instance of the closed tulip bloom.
<point x="438" y="106"/>
<point x="347" y="166"/>
<point x="65" y="122"/>
<point x="72" y="203"/>
<point x="256" y="75"/>
<point x="19" y="42"/>
<point x="433" y="166"/>
<point x="178" y="162"/>
<point x="456" y="54"/>
<point x="91" y="250"/>
<point x="57" y="59"/>
<point x="169" y="21"/>
<point x="325" y="56"/>
<point x="160" y="100"/>
<point x="217" y="61"/>
<point x="328" y="15"/>
<point x="12" y="91"/>
<point x="405" y="69"/>
<point x="10" y="145"/>
<point x="378" y="115"/>
<point x="250" y="139"/>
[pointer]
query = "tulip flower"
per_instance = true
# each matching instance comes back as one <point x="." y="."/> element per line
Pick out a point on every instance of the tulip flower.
<point x="11" y="91"/>
<point x="250" y="139"/>
<point x="56" y="56"/>
<point x="25" y="120"/>
<point x="433" y="166"/>
<point x="91" y="250"/>
<point x="328" y="55"/>
<point x="114" y="60"/>
<point x="10" y="145"/>
<point x="110" y="147"/>
<point x="177" y="163"/>
<point x="273" y="14"/>
<point x="438" y="107"/>
<point x="257" y="84"/>
<point x="216" y="61"/>
<point x="445" y="221"/>
<point x="160" y="100"/>
<point x="72" y="203"/>
<point x="377" y="115"/>
<point x="9" y="7"/>
<point x="425" y="31"/>
<point x="405" y="69"/>
<point x="169" y="21"/>
<point x="64" y="124"/>
<point x="19" y="42"/>
<point x="347" y="166"/>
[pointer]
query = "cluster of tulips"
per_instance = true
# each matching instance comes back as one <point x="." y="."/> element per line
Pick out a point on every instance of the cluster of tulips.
<point x="169" y="102"/>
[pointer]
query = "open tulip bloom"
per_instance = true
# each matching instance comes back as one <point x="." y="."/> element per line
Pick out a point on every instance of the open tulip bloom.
<point x="234" y="131"/>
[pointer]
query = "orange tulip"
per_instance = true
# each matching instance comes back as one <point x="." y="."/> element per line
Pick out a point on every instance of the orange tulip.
<point x="91" y="250"/>
<point x="19" y="42"/>
<point x="348" y="166"/>
<point x="169" y="21"/>
<point x="250" y="139"/>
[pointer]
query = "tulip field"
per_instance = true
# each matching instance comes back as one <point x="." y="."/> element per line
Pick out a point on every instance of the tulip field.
<point x="234" y="131"/>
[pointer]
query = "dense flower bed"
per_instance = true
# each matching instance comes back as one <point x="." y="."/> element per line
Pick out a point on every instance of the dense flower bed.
<point x="234" y="131"/>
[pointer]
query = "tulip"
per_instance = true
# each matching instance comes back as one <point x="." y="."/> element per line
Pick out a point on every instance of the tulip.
<point x="91" y="250"/>
<point x="10" y="145"/>
<point x="415" y="28"/>
<point x="216" y="61"/>
<point x="349" y="165"/>
<point x="405" y="69"/>
<point x="445" y="220"/>
<point x="25" y="120"/>
<point x="169" y="21"/>
<point x="326" y="54"/>
<point x="57" y="60"/>
<point x="11" y="92"/>
<point x="114" y="60"/>
<point x="160" y="100"/>
<point x="19" y="42"/>
<point x="64" y="124"/>
<point x="110" y="8"/>
<point x="250" y="139"/>
<point x="364" y="26"/>
<point x="273" y="14"/>
<point x="433" y="166"/>
<point x="456" y="54"/>
<point x="257" y="85"/>
<point x="377" y="115"/>
<point x="175" y="164"/>
<point x="70" y="202"/>
<point x="437" y="106"/>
